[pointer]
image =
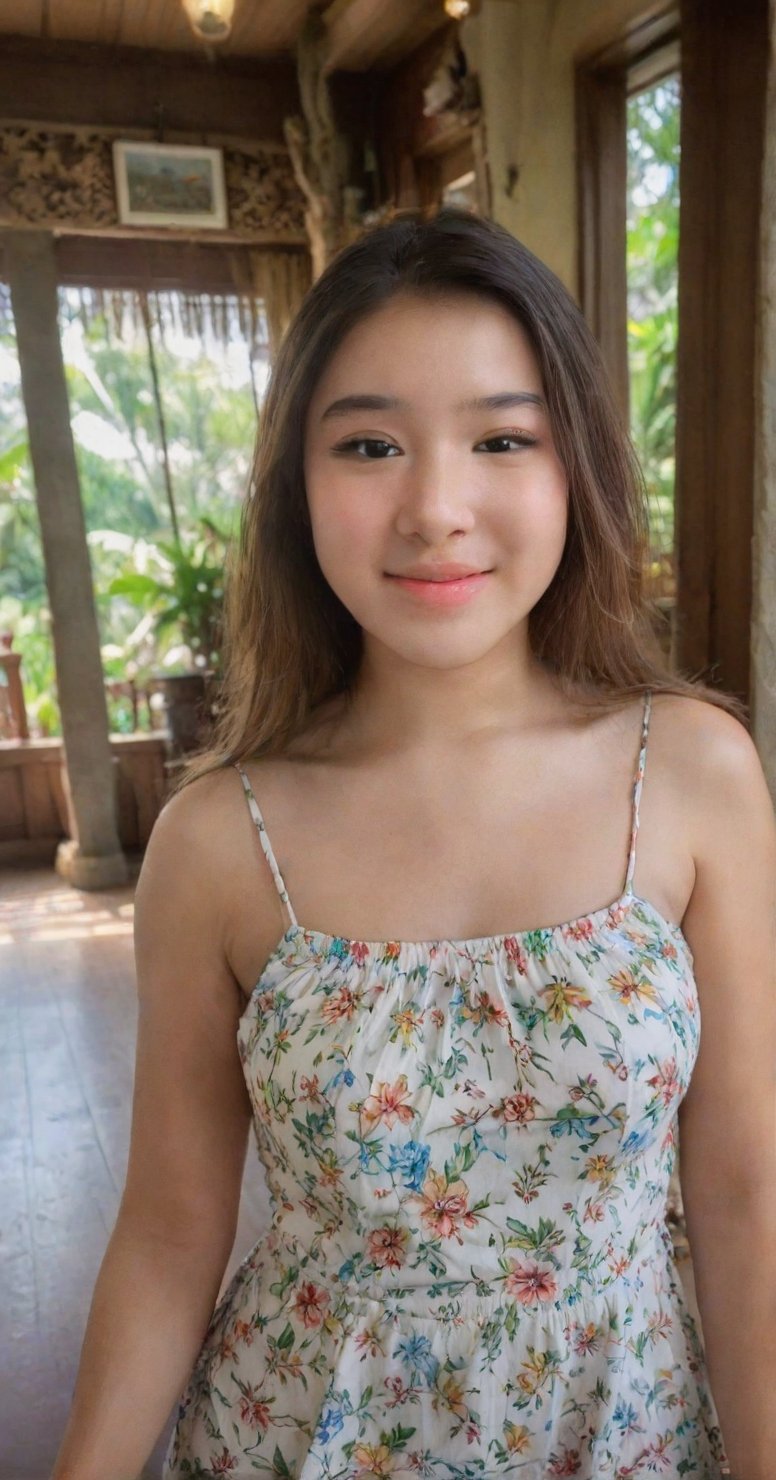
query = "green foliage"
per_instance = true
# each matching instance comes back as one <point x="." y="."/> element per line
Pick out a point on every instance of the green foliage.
<point x="158" y="606"/>
<point x="652" y="244"/>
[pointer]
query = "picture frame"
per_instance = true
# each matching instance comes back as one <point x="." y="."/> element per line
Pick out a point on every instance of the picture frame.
<point x="176" y="185"/>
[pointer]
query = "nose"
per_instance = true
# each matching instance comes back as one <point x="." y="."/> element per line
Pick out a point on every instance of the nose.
<point x="436" y="500"/>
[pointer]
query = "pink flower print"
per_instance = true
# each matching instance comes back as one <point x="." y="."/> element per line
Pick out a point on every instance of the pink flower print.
<point x="586" y="1339"/>
<point x="253" y="1410"/>
<point x="668" y="950"/>
<point x="518" y="1109"/>
<point x="388" y="1103"/>
<point x="617" y="913"/>
<point x="359" y="950"/>
<point x="387" y="1247"/>
<point x="311" y="1304"/>
<point x="666" y="1081"/>
<point x="516" y="954"/>
<point x="569" y="1463"/>
<point x="369" y="1343"/>
<point x="443" y="1205"/>
<point x="531" y="1283"/>
<point x="579" y="929"/>
<point x="222" y="1464"/>
<point x="594" y="1213"/>
<point x="309" y="1088"/>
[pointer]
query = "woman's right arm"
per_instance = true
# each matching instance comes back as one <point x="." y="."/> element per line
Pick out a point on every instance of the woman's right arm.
<point x="160" y="1277"/>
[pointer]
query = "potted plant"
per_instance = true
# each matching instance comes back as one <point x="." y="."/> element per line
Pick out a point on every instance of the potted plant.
<point x="187" y="595"/>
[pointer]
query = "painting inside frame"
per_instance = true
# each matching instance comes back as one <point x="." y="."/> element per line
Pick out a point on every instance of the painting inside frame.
<point x="169" y="184"/>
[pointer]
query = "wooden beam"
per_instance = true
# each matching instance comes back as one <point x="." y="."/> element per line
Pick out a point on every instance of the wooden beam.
<point x="124" y="87"/>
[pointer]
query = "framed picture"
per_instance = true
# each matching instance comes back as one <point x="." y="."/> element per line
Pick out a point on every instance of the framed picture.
<point x="169" y="184"/>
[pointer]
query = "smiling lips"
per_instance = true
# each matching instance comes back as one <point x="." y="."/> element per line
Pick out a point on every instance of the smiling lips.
<point x="447" y="584"/>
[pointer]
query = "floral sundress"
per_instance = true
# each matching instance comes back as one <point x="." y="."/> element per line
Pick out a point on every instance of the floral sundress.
<point x="468" y="1146"/>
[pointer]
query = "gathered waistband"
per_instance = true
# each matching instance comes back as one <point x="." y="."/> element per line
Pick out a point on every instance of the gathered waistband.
<point x="476" y="1300"/>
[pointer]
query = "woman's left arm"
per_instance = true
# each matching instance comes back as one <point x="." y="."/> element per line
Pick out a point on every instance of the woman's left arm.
<point x="727" y="1121"/>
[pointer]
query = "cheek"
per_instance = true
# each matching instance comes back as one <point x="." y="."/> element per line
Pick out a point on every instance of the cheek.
<point x="346" y="535"/>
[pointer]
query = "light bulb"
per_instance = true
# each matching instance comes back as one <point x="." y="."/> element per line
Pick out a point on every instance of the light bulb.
<point x="210" y="19"/>
<point x="458" y="9"/>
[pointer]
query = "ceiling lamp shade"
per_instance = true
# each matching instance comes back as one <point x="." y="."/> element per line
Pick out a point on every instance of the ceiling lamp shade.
<point x="211" y="20"/>
<point x="458" y="9"/>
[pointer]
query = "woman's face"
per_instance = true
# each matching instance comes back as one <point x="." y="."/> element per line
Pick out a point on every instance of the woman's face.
<point x="415" y="476"/>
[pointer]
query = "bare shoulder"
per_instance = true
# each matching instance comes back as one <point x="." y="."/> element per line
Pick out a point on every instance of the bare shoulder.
<point x="182" y="871"/>
<point x="723" y="804"/>
<point x="712" y="759"/>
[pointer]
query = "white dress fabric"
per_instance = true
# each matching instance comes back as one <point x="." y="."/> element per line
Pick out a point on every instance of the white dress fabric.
<point x="468" y="1275"/>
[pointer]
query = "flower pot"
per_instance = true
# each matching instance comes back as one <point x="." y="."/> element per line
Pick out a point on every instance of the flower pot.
<point x="186" y="709"/>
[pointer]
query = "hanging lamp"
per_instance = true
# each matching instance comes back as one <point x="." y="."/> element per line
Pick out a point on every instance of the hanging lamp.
<point x="210" y="20"/>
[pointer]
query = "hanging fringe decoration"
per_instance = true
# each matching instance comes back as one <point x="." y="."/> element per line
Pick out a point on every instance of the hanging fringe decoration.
<point x="220" y="319"/>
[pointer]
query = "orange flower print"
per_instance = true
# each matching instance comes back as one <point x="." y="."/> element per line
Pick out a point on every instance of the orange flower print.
<point x="630" y="988"/>
<point x="407" y="1022"/>
<point x="388" y="1103"/>
<point x="600" y="1169"/>
<point x="484" y="1010"/>
<point x="311" y="1304"/>
<point x="387" y="1247"/>
<point x="518" y="1109"/>
<point x="374" y="1461"/>
<point x="563" y="999"/>
<point x="309" y="1088"/>
<point x="443" y="1205"/>
<point x="341" y="1005"/>
<point x="531" y="1283"/>
<point x="517" y="1438"/>
<point x="451" y="1393"/>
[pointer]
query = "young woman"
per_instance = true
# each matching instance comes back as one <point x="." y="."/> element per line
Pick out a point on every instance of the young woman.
<point x="441" y="915"/>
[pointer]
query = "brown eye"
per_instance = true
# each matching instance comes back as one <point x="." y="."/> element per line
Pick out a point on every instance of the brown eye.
<point x="517" y="437"/>
<point x="346" y="447"/>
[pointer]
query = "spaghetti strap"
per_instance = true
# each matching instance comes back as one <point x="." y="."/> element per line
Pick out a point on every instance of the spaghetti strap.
<point x="265" y="842"/>
<point x="637" y="784"/>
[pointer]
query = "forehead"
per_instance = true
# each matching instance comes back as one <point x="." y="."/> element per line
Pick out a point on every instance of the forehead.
<point x="439" y="346"/>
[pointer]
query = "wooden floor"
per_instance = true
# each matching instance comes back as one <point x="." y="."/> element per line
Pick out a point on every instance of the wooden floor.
<point x="67" y="1035"/>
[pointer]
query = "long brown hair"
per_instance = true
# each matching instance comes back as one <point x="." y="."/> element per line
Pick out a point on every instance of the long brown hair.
<point x="290" y="644"/>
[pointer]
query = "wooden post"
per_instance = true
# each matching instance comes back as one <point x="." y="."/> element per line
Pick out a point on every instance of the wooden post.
<point x="93" y="859"/>
<point x="724" y="67"/>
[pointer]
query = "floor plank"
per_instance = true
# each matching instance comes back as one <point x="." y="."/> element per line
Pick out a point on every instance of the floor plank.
<point x="68" y="1015"/>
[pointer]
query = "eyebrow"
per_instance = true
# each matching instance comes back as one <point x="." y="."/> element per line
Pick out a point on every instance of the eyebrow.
<point x="501" y="399"/>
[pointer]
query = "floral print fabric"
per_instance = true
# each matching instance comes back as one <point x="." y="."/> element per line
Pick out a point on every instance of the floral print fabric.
<point x="468" y="1146"/>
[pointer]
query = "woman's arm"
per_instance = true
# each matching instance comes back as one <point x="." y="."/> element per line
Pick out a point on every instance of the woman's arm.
<point x="727" y="1122"/>
<point x="160" y="1277"/>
